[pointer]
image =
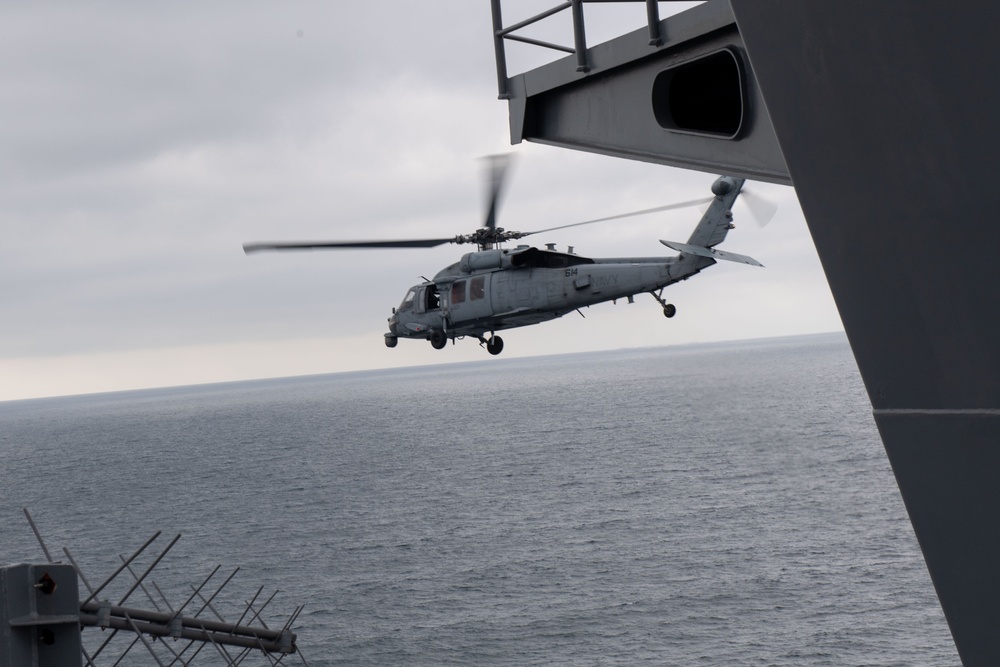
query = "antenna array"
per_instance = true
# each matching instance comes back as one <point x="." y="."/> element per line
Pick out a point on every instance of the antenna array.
<point x="42" y="617"/>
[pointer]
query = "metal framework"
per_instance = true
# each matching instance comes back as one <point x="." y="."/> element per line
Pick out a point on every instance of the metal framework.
<point x="45" y="617"/>
<point x="579" y="48"/>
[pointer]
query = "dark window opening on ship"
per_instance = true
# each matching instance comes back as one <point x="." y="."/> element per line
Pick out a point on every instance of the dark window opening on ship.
<point x="704" y="96"/>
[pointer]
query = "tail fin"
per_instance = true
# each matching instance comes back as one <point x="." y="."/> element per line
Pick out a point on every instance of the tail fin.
<point x="718" y="219"/>
<point x="715" y="224"/>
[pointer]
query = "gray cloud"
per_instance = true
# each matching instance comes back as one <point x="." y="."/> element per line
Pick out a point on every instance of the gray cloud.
<point x="142" y="144"/>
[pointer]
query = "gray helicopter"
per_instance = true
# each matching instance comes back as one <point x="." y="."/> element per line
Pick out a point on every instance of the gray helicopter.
<point x="498" y="288"/>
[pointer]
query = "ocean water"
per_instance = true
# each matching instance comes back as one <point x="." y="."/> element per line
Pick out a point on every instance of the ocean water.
<point x="711" y="504"/>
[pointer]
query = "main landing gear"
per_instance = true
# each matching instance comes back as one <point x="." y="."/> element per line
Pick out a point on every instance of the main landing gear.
<point x="494" y="345"/>
<point x="669" y="309"/>
<point x="438" y="339"/>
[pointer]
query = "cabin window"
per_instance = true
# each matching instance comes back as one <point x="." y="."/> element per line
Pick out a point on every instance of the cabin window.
<point x="458" y="292"/>
<point x="477" y="288"/>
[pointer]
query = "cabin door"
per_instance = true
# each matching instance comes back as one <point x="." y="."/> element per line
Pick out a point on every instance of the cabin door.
<point x="469" y="299"/>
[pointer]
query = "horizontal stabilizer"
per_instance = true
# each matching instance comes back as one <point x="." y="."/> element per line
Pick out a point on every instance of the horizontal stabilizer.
<point x="711" y="252"/>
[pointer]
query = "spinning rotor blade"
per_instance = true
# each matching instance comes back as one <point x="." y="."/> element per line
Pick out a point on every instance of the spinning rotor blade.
<point x="761" y="208"/>
<point x="332" y="245"/>
<point x="668" y="207"/>
<point x="497" y="171"/>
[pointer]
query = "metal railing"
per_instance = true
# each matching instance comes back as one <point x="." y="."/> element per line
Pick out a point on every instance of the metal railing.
<point x="579" y="48"/>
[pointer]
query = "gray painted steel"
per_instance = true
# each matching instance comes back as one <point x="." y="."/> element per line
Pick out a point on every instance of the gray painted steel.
<point x="884" y="115"/>
<point x="609" y="108"/>
<point x="39" y="623"/>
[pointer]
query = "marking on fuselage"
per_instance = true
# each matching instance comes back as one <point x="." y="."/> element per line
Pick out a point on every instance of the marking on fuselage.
<point x="604" y="281"/>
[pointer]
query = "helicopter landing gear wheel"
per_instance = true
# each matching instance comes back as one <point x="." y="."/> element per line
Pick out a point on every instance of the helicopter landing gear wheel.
<point x="438" y="339"/>
<point x="669" y="309"/>
<point x="494" y="345"/>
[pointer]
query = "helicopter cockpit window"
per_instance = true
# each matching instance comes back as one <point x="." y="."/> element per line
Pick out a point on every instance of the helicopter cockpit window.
<point x="458" y="292"/>
<point x="408" y="299"/>
<point x="477" y="288"/>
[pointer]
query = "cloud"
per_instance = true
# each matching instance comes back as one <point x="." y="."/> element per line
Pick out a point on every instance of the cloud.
<point x="145" y="143"/>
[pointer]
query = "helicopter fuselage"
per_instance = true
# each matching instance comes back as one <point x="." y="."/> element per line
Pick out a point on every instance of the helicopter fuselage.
<point x="498" y="289"/>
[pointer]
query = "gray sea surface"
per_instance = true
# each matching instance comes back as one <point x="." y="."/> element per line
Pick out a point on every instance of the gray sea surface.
<point x="715" y="504"/>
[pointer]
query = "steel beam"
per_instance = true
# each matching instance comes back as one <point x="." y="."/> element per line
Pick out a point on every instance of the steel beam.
<point x="608" y="101"/>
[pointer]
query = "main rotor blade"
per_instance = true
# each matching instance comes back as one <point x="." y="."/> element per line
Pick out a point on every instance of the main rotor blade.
<point x="333" y="245"/>
<point x="498" y="169"/>
<point x="657" y="209"/>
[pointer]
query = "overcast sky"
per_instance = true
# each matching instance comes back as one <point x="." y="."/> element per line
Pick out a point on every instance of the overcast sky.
<point x="143" y="143"/>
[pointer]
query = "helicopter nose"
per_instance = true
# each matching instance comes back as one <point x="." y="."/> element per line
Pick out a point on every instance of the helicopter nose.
<point x="392" y="323"/>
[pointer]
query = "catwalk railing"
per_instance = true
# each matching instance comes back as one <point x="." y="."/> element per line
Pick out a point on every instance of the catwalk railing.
<point x="503" y="33"/>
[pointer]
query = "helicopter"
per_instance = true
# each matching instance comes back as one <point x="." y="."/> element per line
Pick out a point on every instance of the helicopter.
<point x="496" y="288"/>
